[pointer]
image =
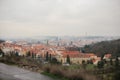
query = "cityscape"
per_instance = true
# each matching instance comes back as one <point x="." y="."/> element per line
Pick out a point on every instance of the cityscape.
<point x="59" y="40"/>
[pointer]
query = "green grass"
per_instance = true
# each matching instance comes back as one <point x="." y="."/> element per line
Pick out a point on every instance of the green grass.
<point x="90" y="66"/>
<point x="53" y="76"/>
<point x="74" y="67"/>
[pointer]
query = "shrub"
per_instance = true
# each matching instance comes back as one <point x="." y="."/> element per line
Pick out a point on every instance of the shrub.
<point x="73" y="75"/>
<point x="70" y="74"/>
<point x="46" y="68"/>
<point x="57" y="71"/>
<point x="117" y="75"/>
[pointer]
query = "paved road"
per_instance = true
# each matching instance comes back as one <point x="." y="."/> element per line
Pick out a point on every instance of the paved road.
<point x="8" y="72"/>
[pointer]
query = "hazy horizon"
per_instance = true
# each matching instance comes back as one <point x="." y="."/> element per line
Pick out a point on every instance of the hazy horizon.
<point x="28" y="18"/>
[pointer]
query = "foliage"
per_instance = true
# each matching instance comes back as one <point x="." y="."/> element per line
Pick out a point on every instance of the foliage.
<point x="117" y="75"/>
<point x="47" y="56"/>
<point x="54" y="60"/>
<point x="68" y="59"/>
<point x="68" y="74"/>
<point x="84" y="64"/>
<point x="28" y="54"/>
<point x="100" y="64"/>
<point x="112" y="47"/>
<point x="50" y="57"/>
<point x="117" y="62"/>
<point x="2" y="53"/>
<point x="111" y="62"/>
<point x="16" y="54"/>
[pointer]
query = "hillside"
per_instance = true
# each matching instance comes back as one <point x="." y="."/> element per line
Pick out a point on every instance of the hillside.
<point x="104" y="47"/>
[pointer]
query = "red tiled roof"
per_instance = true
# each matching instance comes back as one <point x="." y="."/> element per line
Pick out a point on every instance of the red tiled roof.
<point x="77" y="54"/>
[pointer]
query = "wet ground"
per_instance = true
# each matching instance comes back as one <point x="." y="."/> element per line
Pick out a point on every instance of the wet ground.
<point x="8" y="72"/>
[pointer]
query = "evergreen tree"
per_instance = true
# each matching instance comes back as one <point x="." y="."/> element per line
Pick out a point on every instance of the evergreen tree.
<point x="100" y="64"/>
<point x="84" y="64"/>
<point x="117" y="75"/>
<point x="35" y="55"/>
<point x="68" y="59"/>
<point x="111" y="62"/>
<point x="89" y="62"/>
<point x="28" y="54"/>
<point x="32" y="55"/>
<point x="117" y="62"/>
<point x="47" y="57"/>
<point x="16" y="54"/>
<point x="83" y="61"/>
<point x="50" y="57"/>
<point x="61" y="61"/>
<point x="54" y="61"/>
<point x="2" y="53"/>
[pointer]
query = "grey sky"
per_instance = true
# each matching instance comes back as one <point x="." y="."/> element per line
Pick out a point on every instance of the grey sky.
<point x="22" y="18"/>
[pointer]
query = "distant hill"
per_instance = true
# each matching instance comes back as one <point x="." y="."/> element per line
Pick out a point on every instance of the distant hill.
<point x="104" y="47"/>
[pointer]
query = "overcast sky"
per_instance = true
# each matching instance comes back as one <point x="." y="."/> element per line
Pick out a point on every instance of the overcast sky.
<point x="23" y="18"/>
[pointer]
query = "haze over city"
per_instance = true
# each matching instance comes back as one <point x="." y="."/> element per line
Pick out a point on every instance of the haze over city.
<point x="27" y="18"/>
<point x="45" y="39"/>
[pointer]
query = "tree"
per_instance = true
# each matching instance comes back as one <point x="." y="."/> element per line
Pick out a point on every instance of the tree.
<point x="102" y="56"/>
<point x="100" y="64"/>
<point x="61" y="61"/>
<point x="117" y="62"/>
<point x="117" y="66"/>
<point x="47" y="57"/>
<point x="28" y="54"/>
<point x="54" y="60"/>
<point x="84" y="64"/>
<point x="16" y="53"/>
<point x="2" y="53"/>
<point x="83" y="61"/>
<point x="89" y="61"/>
<point x="117" y="75"/>
<point x="102" y="47"/>
<point x="111" y="62"/>
<point x="68" y="59"/>
<point x="33" y="55"/>
<point x="50" y="57"/>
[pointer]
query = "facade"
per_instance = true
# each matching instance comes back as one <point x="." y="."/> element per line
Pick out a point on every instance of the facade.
<point x="75" y="57"/>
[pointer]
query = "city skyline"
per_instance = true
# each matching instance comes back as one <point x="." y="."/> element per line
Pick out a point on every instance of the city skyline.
<point x="25" y="18"/>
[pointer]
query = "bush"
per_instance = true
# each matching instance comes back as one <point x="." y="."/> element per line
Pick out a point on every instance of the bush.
<point x="57" y="71"/>
<point x="117" y="75"/>
<point x="73" y="75"/>
<point x="46" y="68"/>
<point x="69" y="74"/>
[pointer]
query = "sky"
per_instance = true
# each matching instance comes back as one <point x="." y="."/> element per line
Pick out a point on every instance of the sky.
<point x="28" y="18"/>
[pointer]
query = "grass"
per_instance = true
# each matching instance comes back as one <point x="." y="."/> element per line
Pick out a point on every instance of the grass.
<point x="90" y="66"/>
<point x="54" y="76"/>
<point x="68" y="72"/>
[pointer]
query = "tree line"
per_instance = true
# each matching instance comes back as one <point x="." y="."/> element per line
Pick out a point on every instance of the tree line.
<point x="101" y="48"/>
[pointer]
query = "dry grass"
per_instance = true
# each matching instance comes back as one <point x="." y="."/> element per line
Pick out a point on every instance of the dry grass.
<point x="69" y="74"/>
